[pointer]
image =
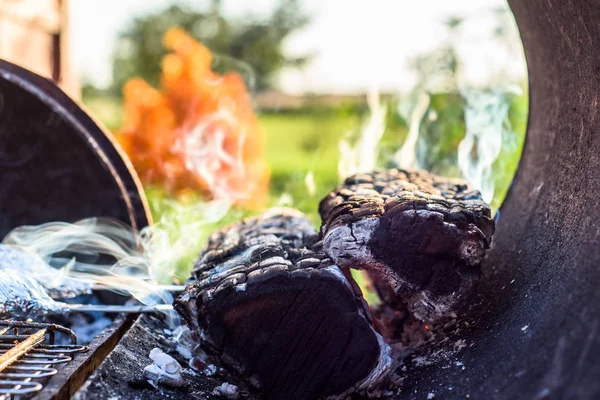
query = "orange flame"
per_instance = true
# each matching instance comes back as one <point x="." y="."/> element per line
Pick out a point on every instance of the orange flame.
<point x="198" y="131"/>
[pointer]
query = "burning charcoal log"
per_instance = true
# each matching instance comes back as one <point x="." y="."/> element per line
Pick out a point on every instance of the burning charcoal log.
<point x="282" y="315"/>
<point x="284" y="226"/>
<point x="420" y="235"/>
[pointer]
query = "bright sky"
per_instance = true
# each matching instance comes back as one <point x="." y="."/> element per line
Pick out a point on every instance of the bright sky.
<point x="359" y="44"/>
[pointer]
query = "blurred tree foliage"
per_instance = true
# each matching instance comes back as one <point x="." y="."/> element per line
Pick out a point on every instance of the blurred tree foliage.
<point x="251" y="46"/>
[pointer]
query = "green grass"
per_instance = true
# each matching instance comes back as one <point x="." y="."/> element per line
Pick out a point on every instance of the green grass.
<point x="298" y="144"/>
<point x="107" y="110"/>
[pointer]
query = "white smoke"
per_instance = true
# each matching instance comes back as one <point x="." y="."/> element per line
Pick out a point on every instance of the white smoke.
<point x="406" y="157"/>
<point x="363" y="155"/>
<point x="109" y="253"/>
<point x="487" y="122"/>
<point x="207" y="152"/>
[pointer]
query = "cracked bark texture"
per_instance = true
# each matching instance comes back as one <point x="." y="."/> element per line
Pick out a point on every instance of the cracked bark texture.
<point x="423" y="235"/>
<point x="282" y="315"/>
<point x="284" y="226"/>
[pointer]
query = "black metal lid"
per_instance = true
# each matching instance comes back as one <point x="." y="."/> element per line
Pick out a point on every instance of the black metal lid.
<point x="56" y="162"/>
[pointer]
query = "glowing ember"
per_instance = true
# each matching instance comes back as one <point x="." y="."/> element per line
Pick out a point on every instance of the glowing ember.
<point x="198" y="131"/>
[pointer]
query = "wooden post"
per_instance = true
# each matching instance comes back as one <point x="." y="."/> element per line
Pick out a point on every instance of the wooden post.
<point x="35" y="35"/>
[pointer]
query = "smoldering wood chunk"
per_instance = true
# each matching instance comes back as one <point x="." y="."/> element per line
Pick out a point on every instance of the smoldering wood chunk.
<point x="285" y="226"/>
<point x="282" y="315"/>
<point x="420" y="234"/>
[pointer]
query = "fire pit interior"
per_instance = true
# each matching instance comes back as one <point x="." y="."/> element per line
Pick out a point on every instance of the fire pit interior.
<point x="530" y="330"/>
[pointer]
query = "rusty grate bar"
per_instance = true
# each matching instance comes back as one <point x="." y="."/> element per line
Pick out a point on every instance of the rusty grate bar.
<point x="29" y="356"/>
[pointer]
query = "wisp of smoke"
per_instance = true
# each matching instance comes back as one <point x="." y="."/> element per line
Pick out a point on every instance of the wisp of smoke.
<point x="179" y="234"/>
<point x="363" y="155"/>
<point x="101" y="250"/>
<point x="406" y="157"/>
<point x="207" y="152"/>
<point x="109" y="253"/>
<point x="309" y="182"/>
<point x="487" y="122"/>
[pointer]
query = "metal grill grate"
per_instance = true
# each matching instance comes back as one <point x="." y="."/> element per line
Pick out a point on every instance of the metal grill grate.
<point x="29" y="356"/>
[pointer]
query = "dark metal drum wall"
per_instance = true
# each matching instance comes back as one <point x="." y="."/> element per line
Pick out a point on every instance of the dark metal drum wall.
<point x="56" y="164"/>
<point x="537" y="323"/>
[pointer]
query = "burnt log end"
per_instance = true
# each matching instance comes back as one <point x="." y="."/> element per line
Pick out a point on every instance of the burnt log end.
<point x="284" y="316"/>
<point x="422" y="235"/>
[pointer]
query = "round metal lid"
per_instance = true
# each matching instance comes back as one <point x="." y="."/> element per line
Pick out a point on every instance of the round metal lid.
<point x="56" y="162"/>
